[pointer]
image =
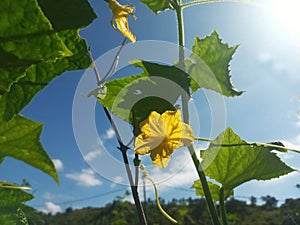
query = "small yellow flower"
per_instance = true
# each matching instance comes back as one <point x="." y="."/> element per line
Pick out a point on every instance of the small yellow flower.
<point x="120" y="15"/>
<point x="161" y="134"/>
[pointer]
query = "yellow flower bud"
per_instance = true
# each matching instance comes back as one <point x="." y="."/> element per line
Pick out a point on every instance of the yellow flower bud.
<point x="120" y="15"/>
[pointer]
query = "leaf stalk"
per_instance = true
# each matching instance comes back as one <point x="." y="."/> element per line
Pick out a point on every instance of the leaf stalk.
<point x="222" y="206"/>
<point x="258" y="144"/>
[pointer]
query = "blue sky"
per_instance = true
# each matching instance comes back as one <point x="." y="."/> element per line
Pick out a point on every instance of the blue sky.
<point x="266" y="66"/>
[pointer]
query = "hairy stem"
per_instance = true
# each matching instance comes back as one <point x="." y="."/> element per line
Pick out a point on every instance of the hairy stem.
<point x="180" y="25"/>
<point x="185" y="97"/>
<point x="202" y="177"/>
<point x="222" y="206"/>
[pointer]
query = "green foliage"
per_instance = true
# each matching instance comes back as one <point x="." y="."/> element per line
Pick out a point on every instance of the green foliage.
<point x="11" y="199"/>
<point x="145" y="93"/>
<point x="39" y="75"/>
<point x="193" y="213"/>
<point x="34" y="52"/>
<point x="27" y="35"/>
<point x="30" y="70"/>
<point x="38" y="41"/>
<point x="210" y="66"/>
<point x="214" y="190"/>
<point x="19" y="138"/>
<point x="66" y="16"/>
<point x="157" y="5"/>
<point x="171" y="73"/>
<point x="231" y="161"/>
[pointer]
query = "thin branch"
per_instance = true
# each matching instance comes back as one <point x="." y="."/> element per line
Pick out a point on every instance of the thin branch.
<point x="136" y="160"/>
<point x="212" y="1"/>
<point x="98" y="78"/>
<point x="112" y="69"/>
<point x="118" y="136"/>
<point x="114" y="65"/>
<point x="123" y="148"/>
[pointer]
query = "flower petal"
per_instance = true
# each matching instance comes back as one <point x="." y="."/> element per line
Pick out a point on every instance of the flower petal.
<point x="161" y="155"/>
<point x="153" y="133"/>
<point x="179" y="134"/>
<point x="122" y="24"/>
<point x="161" y="134"/>
<point x="184" y="135"/>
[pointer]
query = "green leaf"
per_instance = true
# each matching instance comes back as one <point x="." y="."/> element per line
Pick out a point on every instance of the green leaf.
<point x="169" y="73"/>
<point x="4" y="184"/>
<point x="145" y="106"/>
<point x="19" y="138"/>
<point x="45" y="51"/>
<point x="39" y="75"/>
<point x="66" y="16"/>
<point x="114" y="91"/>
<point x="36" y="48"/>
<point x="9" y="77"/>
<point x="134" y="93"/>
<point x="12" y="196"/>
<point x="21" y="18"/>
<point x="211" y="65"/>
<point x="231" y="161"/>
<point x="214" y="190"/>
<point x="157" y="88"/>
<point x="27" y="34"/>
<point x="157" y="5"/>
<point x="11" y="200"/>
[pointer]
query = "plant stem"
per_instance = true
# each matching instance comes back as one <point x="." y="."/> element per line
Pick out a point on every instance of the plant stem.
<point x="134" y="191"/>
<point x="180" y="25"/>
<point x="123" y="148"/>
<point x="202" y="177"/>
<point x="222" y="206"/>
<point x="185" y="97"/>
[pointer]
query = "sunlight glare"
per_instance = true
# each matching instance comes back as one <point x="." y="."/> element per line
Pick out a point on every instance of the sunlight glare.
<point x="287" y="12"/>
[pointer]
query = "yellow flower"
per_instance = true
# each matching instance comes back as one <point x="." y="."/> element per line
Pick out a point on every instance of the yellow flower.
<point x="161" y="134"/>
<point x="120" y="15"/>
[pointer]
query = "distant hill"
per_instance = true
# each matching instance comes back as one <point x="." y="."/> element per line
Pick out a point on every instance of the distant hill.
<point x="186" y="211"/>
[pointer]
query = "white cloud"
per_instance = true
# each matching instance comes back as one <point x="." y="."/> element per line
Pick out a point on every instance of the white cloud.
<point x="85" y="178"/>
<point x="269" y="60"/>
<point x="180" y="172"/>
<point x="294" y="143"/>
<point x="58" y="164"/>
<point x="50" y="207"/>
<point x="117" y="180"/>
<point x="90" y="156"/>
<point x="265" y="57"/>
<point x="110" y="133"/>
<point x="48" y="196"/>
